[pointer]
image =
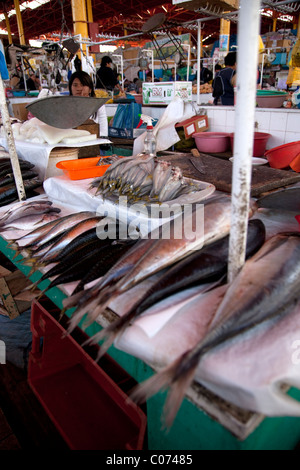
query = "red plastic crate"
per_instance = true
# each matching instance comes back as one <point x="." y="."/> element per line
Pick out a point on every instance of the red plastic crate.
<point x="87" y="407"/>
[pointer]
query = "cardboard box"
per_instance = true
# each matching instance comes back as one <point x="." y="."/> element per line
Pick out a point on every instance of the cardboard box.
<point x="20" y="111"/>
<point x="164" y="92"/>
<point x="194" y="124"/>
<point x="185" y="130"/>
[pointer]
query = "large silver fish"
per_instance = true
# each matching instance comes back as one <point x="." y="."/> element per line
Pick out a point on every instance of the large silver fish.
<point x="268" y="286"/>
<point x="157" y="254"/>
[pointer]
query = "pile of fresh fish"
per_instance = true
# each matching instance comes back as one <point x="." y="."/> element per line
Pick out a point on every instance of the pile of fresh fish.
<point x="8" y="189"/>
<point x="149" y="256"/>
<point x="27" y="214"/>
<point x="265" y="290"/>
<point x="143" y="178"/>
<point x="205" y="266"/>
<point x="72" y="243"/>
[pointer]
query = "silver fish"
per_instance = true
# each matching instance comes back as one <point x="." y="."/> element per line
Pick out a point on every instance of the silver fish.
<point x="56" y="227"/>
<point x="162" y="252"/>
<point x="26" y="208"/>
<point x="161" y="174"/>
<point x="267" y="287"/>
<point x="54" y="250"/>
<point x="27" y="223"/>
<point x="171" y="186"/>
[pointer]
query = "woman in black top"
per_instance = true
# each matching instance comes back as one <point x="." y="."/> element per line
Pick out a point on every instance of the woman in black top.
<point x="106" y="78"/>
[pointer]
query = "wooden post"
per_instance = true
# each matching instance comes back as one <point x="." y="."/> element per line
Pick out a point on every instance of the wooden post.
<point x="20" y="23"/>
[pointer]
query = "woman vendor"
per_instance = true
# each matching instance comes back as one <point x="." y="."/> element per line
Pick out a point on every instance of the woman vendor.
<point x="81" y="84"/>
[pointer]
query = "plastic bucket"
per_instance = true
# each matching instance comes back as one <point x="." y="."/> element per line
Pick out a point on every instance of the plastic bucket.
<point x="57" y="155"/>
<point x="260" y="143"/>
<point x="283" y="155"/>
<point x="212" y="142"/>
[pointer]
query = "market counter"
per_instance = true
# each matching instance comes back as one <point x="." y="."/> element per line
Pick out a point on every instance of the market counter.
<point x="204" y="421"/>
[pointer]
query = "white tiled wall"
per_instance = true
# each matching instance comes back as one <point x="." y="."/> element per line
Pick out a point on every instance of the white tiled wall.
<point x="282" y="124"/>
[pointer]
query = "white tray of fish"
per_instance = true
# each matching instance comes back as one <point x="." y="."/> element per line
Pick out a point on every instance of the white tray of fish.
<point x="149" y="180"/>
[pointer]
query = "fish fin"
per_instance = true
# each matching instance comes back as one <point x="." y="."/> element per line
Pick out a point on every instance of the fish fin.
<point x="79" y="313"/>
<point x="17" y="251"/>
<point x="104" y="347"/>
<point x="167" y="377"/>
<point x="71" y="301"/>
<point x="109" y="334"/>
<point x="62" y="312"/>
<point x="106" y="296"/>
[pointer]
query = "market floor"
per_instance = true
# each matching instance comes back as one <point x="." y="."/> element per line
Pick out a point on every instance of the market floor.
<point x="24" y="424"/>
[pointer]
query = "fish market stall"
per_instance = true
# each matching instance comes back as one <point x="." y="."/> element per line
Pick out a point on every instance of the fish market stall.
<point x="165" y="329"/>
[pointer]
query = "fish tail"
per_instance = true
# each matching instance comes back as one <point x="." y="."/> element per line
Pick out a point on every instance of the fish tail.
<point x="80" y="312"/>
<point x="104" y="299"/>
<point x="18" y="251"/>
<point x="175" y="377"/>
<point x="62" y="312"/>
<point x="109" y="334"/>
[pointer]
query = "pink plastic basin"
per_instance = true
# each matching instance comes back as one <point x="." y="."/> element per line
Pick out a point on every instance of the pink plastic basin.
<point x="260" y="143"/>
<point x="283" y="155"/>
<point x="212" y="142"/>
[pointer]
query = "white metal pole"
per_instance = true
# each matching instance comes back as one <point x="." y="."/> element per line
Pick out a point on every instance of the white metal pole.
<point x="189" y="59"/>
<point x="11" y="144"/>
<point x="122" y="73"/>
<point x="198" y="61"/>
<point x="262" y="69"/>
<point x="152" y="65"/>
<point x="247" y="60"/>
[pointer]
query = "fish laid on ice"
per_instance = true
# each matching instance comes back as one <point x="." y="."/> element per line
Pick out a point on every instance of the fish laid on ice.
<point x="266" y="287"/>
<point x="155" y="255"/>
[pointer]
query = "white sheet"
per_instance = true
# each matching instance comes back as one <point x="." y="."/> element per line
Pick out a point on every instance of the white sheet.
<point x="38" y="153"/>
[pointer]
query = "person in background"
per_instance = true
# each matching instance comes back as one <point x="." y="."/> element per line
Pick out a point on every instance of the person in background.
<point x="271" y="80"/>
<point x="81" y="84"/>
<point x="32" y="83"/>
<point x="172" y="78"/>
<point x="138" y="83"/>
<point x="205" y="75"/>
<point x="106" y="78"/>
<point x="218" y="67"/>
<point x="149" y="76"/>
<point x="228" y="77"/>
